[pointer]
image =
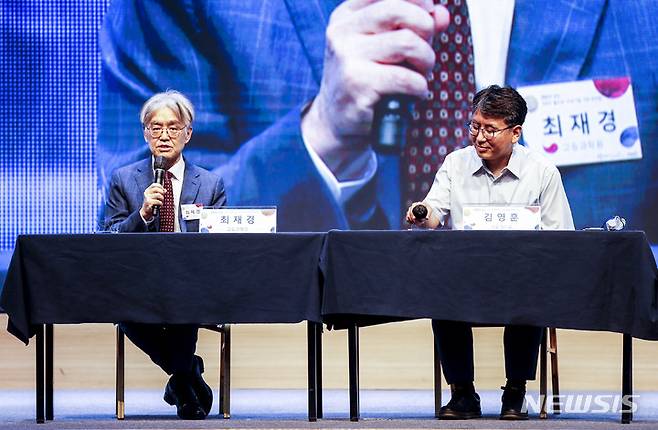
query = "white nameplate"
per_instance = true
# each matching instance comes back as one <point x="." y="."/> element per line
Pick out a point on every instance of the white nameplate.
<point x="582" y="122"/>
<point x="238" y="220"/>
<point x="191" y="211"/>
<point x="511" y="217"/>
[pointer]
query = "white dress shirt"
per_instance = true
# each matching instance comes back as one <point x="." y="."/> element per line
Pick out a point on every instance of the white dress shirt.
<point x="528" y="179"/>
<point x="177" y="174"/>
<point x="491" y="26"/>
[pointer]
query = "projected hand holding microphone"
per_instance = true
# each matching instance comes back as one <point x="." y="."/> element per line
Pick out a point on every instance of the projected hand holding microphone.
<point x="393" y="111"/>
<point x="377" y="57"/>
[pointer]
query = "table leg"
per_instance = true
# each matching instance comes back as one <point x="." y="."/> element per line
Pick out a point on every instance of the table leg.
<point x="543" y="365"/>
<point x="353" y="352"/>
<point x="225" y="374"/>
<point x="311" y="334"/>
<point x="627" y="380"/>
<point x="120" y="374"/>
<point x="50" y="340"/>
<point x="437" y="381"/>
<point x="40" y="374"/>
<point x="318" y="366"/>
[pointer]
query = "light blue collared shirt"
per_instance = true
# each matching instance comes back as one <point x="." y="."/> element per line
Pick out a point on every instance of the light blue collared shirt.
<point x="528" y="179"/>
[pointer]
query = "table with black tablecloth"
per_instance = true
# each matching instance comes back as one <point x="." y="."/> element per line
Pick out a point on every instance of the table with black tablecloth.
<point x="588" y="280"/>
<point x="164" y="278"/>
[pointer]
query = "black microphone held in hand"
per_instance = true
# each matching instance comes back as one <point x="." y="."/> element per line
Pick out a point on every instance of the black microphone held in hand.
<point x="159" y="169"/>
<point x="420" y="212"/>
<point x="389" y="127"/>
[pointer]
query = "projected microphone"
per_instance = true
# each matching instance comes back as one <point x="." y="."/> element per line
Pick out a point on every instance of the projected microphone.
<point x="159" y="168"/>
<point x="389" y="127"/>
<point x="420" y="212"/>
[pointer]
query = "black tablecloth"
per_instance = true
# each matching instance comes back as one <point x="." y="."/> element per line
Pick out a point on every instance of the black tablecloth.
<point x="162" y="278"/>
<point x="592" y="280"/>
<point x="579" y="280"/>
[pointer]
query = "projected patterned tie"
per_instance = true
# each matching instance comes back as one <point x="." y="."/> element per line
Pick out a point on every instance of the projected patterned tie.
<point x="437" y="126"/>
<point x="167" y="210"/>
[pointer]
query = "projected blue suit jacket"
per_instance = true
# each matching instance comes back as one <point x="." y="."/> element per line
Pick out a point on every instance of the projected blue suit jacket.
<point x="249" y="67"/>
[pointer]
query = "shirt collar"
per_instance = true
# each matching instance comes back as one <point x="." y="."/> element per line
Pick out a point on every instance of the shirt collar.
<point x="177" y="170"/>
<point x="476" y="164"/>
<point x="515" y="161"/>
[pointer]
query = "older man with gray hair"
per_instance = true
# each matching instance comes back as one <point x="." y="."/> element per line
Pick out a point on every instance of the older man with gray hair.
<point x="138" y="203"/>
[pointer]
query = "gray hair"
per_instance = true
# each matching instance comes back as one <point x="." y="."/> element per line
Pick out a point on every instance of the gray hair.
<point x="172" y="99"/>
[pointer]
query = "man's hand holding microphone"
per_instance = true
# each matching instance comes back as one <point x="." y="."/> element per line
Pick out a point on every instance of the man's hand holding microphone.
<point x="421" y="215"/>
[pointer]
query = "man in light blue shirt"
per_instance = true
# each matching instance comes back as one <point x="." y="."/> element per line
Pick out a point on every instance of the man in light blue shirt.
<point x="494" y="170"/>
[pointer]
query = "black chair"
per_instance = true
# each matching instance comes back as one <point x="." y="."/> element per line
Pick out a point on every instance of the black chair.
<point x="224" y="369"/>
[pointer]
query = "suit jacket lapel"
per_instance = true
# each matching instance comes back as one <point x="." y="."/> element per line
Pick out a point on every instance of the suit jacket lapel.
<point x="310" y="19"/>
<point x="143" y="178"/>
<point x="191" y="184"/>
<point x="550" y="40"/>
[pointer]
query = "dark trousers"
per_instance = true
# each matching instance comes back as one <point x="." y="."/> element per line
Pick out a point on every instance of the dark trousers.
<point x="170" y="346"/>
<point x="454" y="342"/>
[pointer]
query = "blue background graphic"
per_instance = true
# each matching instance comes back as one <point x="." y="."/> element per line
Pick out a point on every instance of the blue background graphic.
<point x="52" y="110"/>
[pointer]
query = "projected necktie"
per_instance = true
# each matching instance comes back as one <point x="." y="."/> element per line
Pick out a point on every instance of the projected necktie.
<point x="167" y="210"/>
<point x="437" y="126"/>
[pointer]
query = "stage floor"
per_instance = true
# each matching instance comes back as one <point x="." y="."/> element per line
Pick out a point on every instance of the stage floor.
<point x="392" y="356"/>
<point x="269" y="380"/>
<point x="277" y="409"/>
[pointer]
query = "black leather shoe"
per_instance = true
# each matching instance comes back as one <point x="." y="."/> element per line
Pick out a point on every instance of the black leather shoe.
<point x="514" y="404"/>
<point x="464" y="404"/>
<point x="202" y="390"/>
<point x="179" y="393"/>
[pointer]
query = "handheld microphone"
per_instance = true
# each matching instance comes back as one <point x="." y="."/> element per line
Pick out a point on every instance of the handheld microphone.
<point x="420" y="212"/>
<point x="159" y="168"/>
<point x="389" y="127"/>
